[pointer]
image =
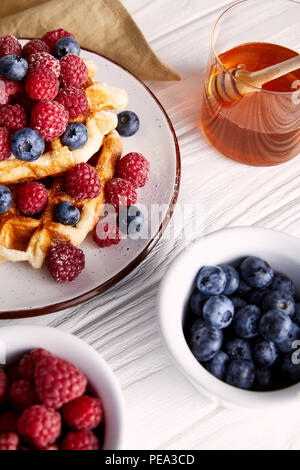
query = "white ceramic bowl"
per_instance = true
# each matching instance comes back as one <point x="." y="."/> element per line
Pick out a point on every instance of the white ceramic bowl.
<point x="19" y="339"/>
<point x="282" y="251"/>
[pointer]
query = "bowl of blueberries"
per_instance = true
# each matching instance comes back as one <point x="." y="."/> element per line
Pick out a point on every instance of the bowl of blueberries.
<point x="229" y="314"/>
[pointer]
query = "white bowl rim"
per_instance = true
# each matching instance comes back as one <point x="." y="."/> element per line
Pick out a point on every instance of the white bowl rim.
<point x="183" y="357"/>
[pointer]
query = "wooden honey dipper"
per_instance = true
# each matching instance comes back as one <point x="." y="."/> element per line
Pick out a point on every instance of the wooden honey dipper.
<point x="224" y="85"/>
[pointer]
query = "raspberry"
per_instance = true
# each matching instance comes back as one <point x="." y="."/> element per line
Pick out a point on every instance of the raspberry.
<point x="4" y="143"/>
<point x="28" y="362"/>
<point x="41" y="84"/>
<point x="51" y="37"/>
<point x="12" y="372"/>
<point x="31" y="198"/>
<point x="8" y="88"/>
<point x="40" y="426"/>
<point x="22" y="395"/>
<point x="135" y="168"/>
<point x="120" y="192"/>
<point x="106" y="234"/>
<point x="65" y="262"/>
<point x="9" y="441"/>
<point x="80" y="440"/>
<point x="3" y="383"/>
<point x="50" y="119"/>
<point x="13" y="117"/>
<point x="74" y="100"/>
<point x="83" y="413"/>
<point x="44" y="60"/>
<point x="34" y="46"/>
<point x="73" y="71"/>
<point x="58" y="381"/>
<point x="83" y="182"/>
<point x="8" y="421"/>
<point x="9" y="45"/>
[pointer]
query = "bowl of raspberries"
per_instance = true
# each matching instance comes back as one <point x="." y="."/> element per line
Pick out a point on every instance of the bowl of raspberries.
<point x="56" y="393"/>
<point x="229" y="312"/>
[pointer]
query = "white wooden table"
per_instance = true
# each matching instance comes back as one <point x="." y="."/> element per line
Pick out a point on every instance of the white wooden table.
<point x="164" y="410"/>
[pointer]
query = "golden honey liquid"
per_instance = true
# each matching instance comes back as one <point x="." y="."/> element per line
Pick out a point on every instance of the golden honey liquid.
<point x="261" y="128"/>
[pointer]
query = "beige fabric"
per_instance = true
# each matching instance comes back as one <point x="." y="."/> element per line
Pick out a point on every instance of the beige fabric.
<point x="103" y="26"/>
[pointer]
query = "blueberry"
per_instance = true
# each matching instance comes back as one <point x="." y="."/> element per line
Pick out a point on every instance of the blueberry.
<point x="218" y="311"/>
<point x="246" y="321"/>
<point x="277" y="300"/>
<point x="232" y="279"/>
<point x="66" y="46"/>
<point x="256" y="272"/>
<point x="238" y="302"/>
<point x="275" y="326"/>
<point x="238" y="348"/>
<point x="286" y="346"/>
<point x="67" y="214"/>
<point x="196" y="325"/>
<point x="264" y="353"/>
<point x="131" y="220"/>
<point x="282" y="283"/>
<point x="240" y="373"/>
<point x="244" y="289"/>
<point x="296" y="316"/>
<point x="256" y="297"/>
<point x="75" y="136"/>
<point x="217" y="365"/>
<point x="6" y="199"/>
<point x="263" y="379"/>
<point x="291" y="368"/>
<point x="205" y="341"/>
<point x="27" y="144"/>
<point x="196" y="302"/>
<point x="128" y="123"/>
<point x="211" y="280"/>
<point x="13" y="67"/>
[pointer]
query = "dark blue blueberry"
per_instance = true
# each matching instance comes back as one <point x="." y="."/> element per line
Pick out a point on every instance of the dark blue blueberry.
<point x="282" y="283"/>
<point x="75" y="136"/>
<point x="27" y="144"/>
<point x="218" y="311"/>
<point x="238" y="302"/>
<point x="287" y="345"/>
<point x="277" y="300"/>
<point x="128" y="123"/>
<point x="263" y="379"/>
<point x="240" y="373"/>
<point x="211" y="280"/>
<point x="6" y="199"/>
<point x="196" y="302"/>
<point x="244" y="289"/>
<point x="246" y="321"/>
<point x="205" y="341"/>
<point x="256" y="272"/>
<point x="238" y="348"/>
<point x="290" y="366"/>
<point x="257" y="295"/>
<point x="67" y="214"/>
<point x="131" y="220"/>
<point x="13" y="67"/>
<point x="275" y="326"/>
<point x="232" y="279"/>
<point x="264" y="353"/>
<point x="296" y="316"/>
<point x="66" y="46"/>
<point x="217" y="365"/>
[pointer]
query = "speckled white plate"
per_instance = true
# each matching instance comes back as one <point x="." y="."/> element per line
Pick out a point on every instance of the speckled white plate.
<point x="26" y="292"/>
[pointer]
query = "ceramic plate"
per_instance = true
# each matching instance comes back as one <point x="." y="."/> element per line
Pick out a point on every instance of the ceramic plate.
<point x="27" y="292"/>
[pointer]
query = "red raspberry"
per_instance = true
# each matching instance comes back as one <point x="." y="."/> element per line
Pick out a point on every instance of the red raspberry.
<point x="9" y="45"/>
<point x="13" y="117"/>
<point x="34" y="46"/>
<point x="51" y="37"/>
<point x="44" y="60"/>
<point x="65" y="262"/>
<point x="83" y="182"/>
<point x="8" y="421"/>
<point x="73" y="71"/>
<point x="83" y="413"/>
<point x="58" y="381"/>
<point x="80" y="440"/>
<point x="12" y="372"/>
<point x="120" y="192"/>
<point x="50" y="119"/>
<point x="4" y="143"/>
<point x="28" y="362"/>
<point x="134" y="167"/>
<point x="22" y="395"/>
<point x="105" y="234"/>
<point x="74" y="100"/>
<point x="3" y="383"/>
<point x="41" y="84"/>
<point x="8" y="88"/>
<point x="40" y="426"/>
<point x="9" y="441"/>
<point x="31" y="198"/>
